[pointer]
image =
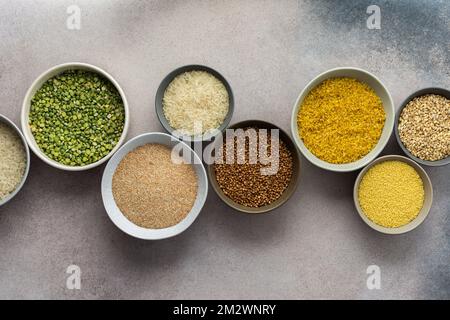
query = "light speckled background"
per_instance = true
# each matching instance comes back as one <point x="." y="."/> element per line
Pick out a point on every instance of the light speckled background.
<point x="315" y="246"/>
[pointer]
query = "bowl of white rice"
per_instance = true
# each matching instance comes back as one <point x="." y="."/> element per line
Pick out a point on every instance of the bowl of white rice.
<point x="14" y="160"/>
<point x="194" y="103"/>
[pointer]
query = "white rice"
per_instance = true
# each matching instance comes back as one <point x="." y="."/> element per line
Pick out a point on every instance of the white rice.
<point x="195" y="102"/>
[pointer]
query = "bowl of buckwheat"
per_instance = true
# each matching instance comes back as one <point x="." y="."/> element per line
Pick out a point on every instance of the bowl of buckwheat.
<point x="256" y="167"/>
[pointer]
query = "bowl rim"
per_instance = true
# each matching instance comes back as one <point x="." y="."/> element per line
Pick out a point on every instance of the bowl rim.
<point x="26" y="109"/>
<point x="267" y="208"/>
<point x="345" y="167"/>
<point x="12" y="125"/>
<point x="428" y="90"/>
<point x="150" y="233"/>
<point x="420" y="217"/>
<point x="165" y="83"/>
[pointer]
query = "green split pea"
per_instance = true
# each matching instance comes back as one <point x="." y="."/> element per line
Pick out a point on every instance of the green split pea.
<point x="77" y="117"/>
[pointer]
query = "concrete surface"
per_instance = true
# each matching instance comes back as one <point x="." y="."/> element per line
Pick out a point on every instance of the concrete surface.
<point x="315" y="246"/>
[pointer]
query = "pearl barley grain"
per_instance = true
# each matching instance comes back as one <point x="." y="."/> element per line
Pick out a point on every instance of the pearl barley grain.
<point x="424" y="127"/>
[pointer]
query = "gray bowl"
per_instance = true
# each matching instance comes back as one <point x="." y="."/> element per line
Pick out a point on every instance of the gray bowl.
<point x="388" y="105"/>
<point x="433" y="90"/>
<point x="119" y="219"/>
<point x="428" y="188"/>
<point x="160" y="94"/>
<point x="26" y="107"/>
<point x="8" y="122"/>
<point x="286" y="195"/>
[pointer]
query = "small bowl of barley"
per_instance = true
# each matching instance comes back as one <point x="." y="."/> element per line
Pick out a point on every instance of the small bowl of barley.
<point x="422" y="126"/>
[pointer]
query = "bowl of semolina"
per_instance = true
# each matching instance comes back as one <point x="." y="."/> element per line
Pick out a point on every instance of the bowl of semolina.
<point x="343" y="119"/>
<point x="393" y="194"/>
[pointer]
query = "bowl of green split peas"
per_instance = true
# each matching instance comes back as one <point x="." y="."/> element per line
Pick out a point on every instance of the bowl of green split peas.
<point x="75" y="116"/>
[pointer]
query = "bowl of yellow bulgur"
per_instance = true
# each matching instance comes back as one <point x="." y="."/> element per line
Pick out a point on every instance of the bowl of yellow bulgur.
<point x="343" y="119"/>
<point x="393" y="194"/>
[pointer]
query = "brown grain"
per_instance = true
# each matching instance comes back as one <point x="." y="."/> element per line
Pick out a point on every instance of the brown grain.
<point x="245" y="184"/>
<point x="152" y="191"/>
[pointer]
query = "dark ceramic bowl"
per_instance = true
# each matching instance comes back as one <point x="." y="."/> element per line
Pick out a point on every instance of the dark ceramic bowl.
<point x="160" y="94"/>
<point x="438" y="91"/>
<point x="292" y="184"/>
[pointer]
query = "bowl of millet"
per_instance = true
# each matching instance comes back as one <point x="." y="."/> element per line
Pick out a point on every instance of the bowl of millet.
<point x="393" y="194"/>
<point x="75" y="116"/>
<point x="422" y="126"/>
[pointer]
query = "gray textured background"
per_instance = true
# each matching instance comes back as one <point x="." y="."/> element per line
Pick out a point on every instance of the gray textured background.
<point x="315" y="246"/>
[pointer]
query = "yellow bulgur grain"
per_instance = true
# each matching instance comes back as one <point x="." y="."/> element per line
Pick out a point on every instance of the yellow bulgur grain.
<point x="341" y="120"/>
<point x="391" y="194"/>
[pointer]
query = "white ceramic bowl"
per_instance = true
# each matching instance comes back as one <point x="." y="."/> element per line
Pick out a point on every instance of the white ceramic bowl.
<point x="428" y="188"/>
<point x="8" y="122"/>
<point x="37" y="85"/>
<point x="114" y="212"/>
<point x="379" y="89"/>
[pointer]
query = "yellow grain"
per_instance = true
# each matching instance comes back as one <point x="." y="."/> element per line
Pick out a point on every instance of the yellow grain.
<point x="391" y="194"/>
<point x="341" y="120"/>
